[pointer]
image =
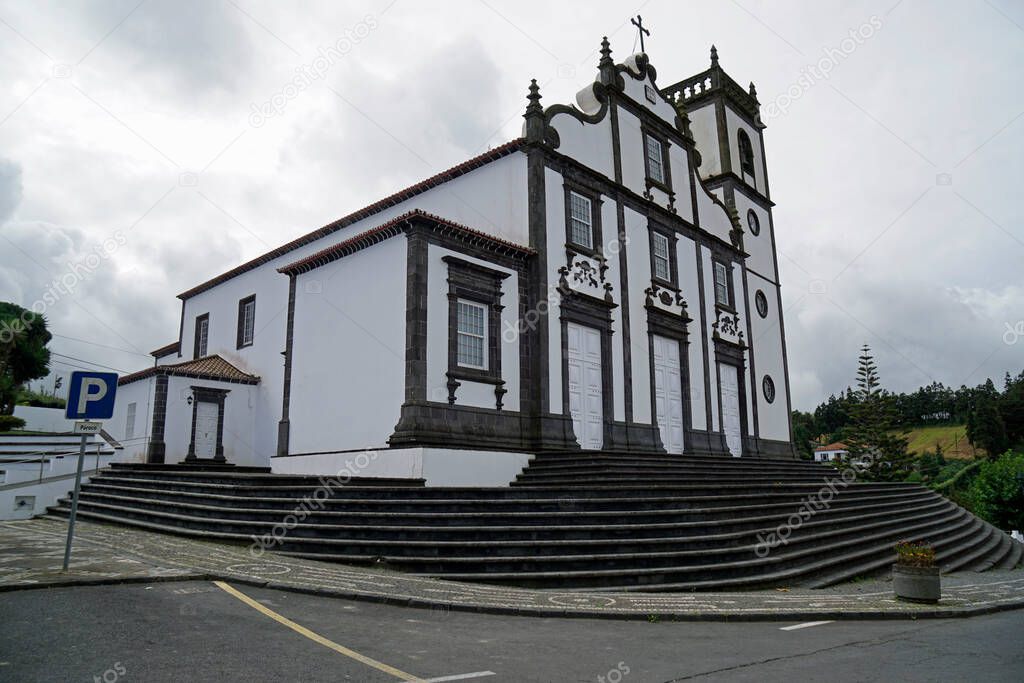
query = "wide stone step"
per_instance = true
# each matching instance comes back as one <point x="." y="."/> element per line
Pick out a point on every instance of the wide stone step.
<point x="734" y="464"/>
<point x="593" y="474"/>
<point x="575" y="491"/>
<point x="793" y="562"/>
<point x="529" y="526"/>
<point x="1015" y="556"/>
<point x="666" y="478"/>
<point x="231" y="477"/>
<point x="877" y="559"/>
<point x="497" y="541"/>
<point x="583" y="525"/>
<point x="542" y="510"/>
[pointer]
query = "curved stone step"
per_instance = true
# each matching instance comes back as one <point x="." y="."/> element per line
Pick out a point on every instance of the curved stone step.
<point x="561" y="552"/>
<point x="574" y="526"/>
<point x="542" y="510"/>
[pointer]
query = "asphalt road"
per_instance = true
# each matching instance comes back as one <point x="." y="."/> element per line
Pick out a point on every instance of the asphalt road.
<point x="197" y="631"/>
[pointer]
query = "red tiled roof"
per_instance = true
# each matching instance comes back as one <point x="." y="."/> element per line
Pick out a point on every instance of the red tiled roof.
<point x="208" y="367"/>
<point x="837" y="446"/>
<point x="400" y="196"/>
<point x="166" y="350"/>
<point x="394" y="227"/>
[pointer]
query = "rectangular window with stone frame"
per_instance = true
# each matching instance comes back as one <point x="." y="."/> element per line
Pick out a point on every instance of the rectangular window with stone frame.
<point x="582" y="219"/>
<point x="474" y="316"/>
<point x="723" y="286"/>
<point x="202" y="336"/>
<point x="664" y="263"/>
<point x="471" y="331"/>
<point x="656" y="162"/>
<point x="246" y="322"/>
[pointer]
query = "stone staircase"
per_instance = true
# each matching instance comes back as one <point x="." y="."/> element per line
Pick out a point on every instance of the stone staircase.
<point x="605" y="521"/>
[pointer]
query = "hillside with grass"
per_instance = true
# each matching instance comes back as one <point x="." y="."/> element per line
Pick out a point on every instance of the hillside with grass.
<point x="952" y="439"/>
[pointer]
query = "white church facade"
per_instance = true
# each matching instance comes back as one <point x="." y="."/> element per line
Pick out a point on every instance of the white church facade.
<point x="608" y="281"/>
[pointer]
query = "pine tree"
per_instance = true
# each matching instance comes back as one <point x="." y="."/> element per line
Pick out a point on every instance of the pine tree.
<point x="870" y="435"/>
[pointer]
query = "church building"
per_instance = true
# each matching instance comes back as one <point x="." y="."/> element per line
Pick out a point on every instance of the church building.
<point x="606" y="282"/>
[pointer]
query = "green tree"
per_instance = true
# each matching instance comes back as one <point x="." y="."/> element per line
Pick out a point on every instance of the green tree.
<point x="1011" y="408"/>
<point x="997" y="493"/>
<point x="870" y="435"/>
<point x="23" y="352"/>
<point x="985" y="426"/>
<point x="804" y="433"/>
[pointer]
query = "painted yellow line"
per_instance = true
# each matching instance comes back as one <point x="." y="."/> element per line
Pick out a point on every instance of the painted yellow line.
<point x="380" y="666"/>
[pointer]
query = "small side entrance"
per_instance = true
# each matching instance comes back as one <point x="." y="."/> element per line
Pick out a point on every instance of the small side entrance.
<point x="207" y="441"/>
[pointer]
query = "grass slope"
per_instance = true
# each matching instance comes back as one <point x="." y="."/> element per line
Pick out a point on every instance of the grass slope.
<point x="952" y="438"/>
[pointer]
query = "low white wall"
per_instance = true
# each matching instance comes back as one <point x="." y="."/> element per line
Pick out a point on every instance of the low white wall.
<point x="438" y="466"/>
<point x="44" y="419"/>
<point x="398" y="464"/>
<point x="446" y="467"/>
<point x="40" y="496"/>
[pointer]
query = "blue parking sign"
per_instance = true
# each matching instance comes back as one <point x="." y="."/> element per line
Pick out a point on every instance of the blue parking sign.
<point x="91" y="395"/>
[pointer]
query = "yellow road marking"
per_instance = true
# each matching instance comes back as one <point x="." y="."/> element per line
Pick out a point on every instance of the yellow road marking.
<point x="380" y="666"/>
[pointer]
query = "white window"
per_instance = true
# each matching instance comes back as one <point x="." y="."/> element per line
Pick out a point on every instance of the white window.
<point x="202" y="335"/>
<point x="721" y="284"/>
<point x="581" y="221"/>
<point x="129" y="422"/>
<point x="662" y="261"/>
<point x="248" y="321"/>
<point x="472" y="335"/>
<point x="655" y="165"/>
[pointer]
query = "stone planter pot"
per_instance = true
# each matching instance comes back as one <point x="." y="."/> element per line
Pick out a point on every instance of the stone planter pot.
<point x="916" y="584"/>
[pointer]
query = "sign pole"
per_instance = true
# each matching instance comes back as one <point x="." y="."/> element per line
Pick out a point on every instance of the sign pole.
<point x="90" y="397"/>
<point x="74" y="501"/>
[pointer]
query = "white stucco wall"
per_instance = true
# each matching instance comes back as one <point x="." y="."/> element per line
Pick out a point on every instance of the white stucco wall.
<point x="437" y="466"/>
<point x="689" y="285"/>
<point x="555" y="209"/>
<point x="141" y="394"/>
<point x="760" y="246"/>
<point x="39" y="419"/>
<point x="348" y="354"/>
<point x="639" y="256"/>
<point x="588" y="143"/>
<point x="766" y="345"/>
<point x="705" y="134"/>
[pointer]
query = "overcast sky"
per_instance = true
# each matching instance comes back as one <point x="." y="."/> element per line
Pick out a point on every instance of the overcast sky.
<point x="139" y="133"/>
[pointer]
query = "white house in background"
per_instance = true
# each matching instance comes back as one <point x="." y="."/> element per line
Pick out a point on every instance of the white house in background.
<point x="607" y="281"/>
<point x="832" y="452"/>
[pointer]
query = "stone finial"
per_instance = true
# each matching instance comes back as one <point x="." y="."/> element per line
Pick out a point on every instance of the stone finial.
<point x="606" y="52"/>
<point x="753" y="90"/>
<point x="606" y="66"/>
<point x="534" y="106"/>
<point x="534" y="114"/>
<point x="714" y="56"/>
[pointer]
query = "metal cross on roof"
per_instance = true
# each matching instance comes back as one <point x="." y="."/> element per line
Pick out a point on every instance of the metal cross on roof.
<point x="639" y="23"/>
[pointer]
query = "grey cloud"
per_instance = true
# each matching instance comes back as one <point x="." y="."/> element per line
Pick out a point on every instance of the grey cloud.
<point x="10" y="188"/>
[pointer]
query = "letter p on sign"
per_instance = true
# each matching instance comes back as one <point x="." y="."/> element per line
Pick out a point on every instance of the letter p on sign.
<point x="91" y="395"/>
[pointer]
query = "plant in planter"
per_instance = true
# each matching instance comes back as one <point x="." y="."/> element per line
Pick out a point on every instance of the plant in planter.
<point x="915" y="576"/>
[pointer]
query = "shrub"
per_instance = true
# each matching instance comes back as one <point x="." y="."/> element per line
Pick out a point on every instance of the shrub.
<point x="9" y="422"/>
<point x="33" y="398"/>
<point x="997" y="493"/>
<point x="915" y="554"/>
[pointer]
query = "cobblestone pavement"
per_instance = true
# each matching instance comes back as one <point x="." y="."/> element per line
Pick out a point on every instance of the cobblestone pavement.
<point x="31" y="553"/>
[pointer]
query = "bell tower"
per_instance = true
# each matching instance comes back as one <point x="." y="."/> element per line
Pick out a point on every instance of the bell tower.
<point x="725" y="120"/>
